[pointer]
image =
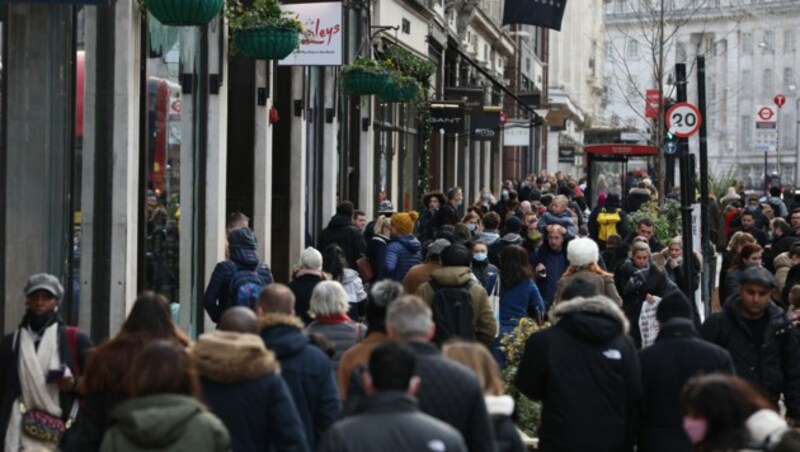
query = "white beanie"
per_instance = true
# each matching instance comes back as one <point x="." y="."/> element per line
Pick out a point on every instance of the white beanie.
<point x="582" y="251"/>
<point x="311" y="259"/>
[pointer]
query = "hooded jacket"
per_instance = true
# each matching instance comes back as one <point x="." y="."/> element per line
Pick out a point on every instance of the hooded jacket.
<point x="306" y="370"/>
<point x="564" y="219"/>
<point x="402" y="253"/>
<point x="498" y="246"/>
<point x="585" y="370"/>
<point x="489" y="236"/>
<point x="242" y="245"/>
<point x="678" y="355"/>
<point x="483" y="319"/>
<point x="342" y="232"/>
<point x="242" y="387"/>
<point x="636" y="198"/>
<point x="165" y="422"/>
<point x="774" y="366"/>
<point x="411" y="430"/>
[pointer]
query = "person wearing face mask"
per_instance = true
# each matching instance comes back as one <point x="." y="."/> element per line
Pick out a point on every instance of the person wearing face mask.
<point x="40" y="367"/>
<point x="472" y="221"/>
<point x="449" y="213"/>
<point x="426" y="224"/>
<point x="749" y="256"/>
<point x="758" y="335"/>
<point x="484" y="202"/>
<point x="484" y="271"/>
<point x="726" y="413"/>
<point x="678" y="355"/>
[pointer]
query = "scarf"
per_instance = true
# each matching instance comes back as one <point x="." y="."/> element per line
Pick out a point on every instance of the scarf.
<point x="334" y="319"/>
<point x="36" y="393"/>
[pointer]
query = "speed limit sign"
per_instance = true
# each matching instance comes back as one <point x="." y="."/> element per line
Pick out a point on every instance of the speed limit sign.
<point x="683" y="120"/>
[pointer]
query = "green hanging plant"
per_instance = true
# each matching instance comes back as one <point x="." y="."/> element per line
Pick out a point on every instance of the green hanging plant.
<point x="262" y="30"/>
<point x="261" y="14"/>
<point x="364" y="77"/>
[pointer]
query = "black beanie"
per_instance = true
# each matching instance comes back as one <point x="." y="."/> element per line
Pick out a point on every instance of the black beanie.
<point x="456" y="256"/>
<point x="673" y="305"/>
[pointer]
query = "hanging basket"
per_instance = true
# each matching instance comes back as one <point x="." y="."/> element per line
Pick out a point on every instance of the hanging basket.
<point x="360" y="82"/>
<point x="399" y="91"/>
<point x="267" y="43"/>
<point x="184" y="12"/>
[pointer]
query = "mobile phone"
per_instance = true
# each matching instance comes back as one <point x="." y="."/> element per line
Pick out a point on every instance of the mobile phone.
<point x="54" y="375"/>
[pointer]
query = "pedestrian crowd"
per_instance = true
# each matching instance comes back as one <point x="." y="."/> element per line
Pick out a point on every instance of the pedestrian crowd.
<point x="393" y="335"/>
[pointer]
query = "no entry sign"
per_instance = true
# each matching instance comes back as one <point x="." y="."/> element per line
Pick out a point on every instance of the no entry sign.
<point x="683" y="120"/>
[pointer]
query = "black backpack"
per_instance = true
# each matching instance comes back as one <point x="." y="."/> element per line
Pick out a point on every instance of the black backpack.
<point x="452" y="312"/>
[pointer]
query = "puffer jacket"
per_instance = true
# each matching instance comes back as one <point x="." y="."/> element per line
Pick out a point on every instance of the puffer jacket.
<point x="343" y="333"/>
<point x="486" y="274"/>
<point x="585" y="370"/>
<point x="782" y="264"/>
<point x="351" y="281"/>
<point x="633" y="284"/>
<point x="306" y="370"/>
<point x="342" y="232"/>
<point x="218" y="295"/>
<point x="165" y="422"/>
<point x="565" y="220"/>
<point x="241" y="385"/>
<point x="774" y="366"/>
<point x="482" y="315"/>
<point x="402" y="253"/>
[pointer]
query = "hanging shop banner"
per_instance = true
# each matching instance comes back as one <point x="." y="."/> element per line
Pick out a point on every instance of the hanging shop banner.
<point x="543" y="13"/>
<point x="322" y="43"/>
<point x="517" y="134"/>
<point x="449" y="119"/>
<point x="566" y="155"/>
<point x="485" y="126"/>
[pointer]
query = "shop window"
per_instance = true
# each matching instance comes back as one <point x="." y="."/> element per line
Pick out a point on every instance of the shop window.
<point x="406" y="26"/>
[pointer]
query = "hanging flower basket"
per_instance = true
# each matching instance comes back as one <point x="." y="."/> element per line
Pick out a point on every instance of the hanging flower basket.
<point x="184" y="12"/>
<point x="266" y="43"/>
<point x="363" y="82"/>
<point x="400" y="90"/>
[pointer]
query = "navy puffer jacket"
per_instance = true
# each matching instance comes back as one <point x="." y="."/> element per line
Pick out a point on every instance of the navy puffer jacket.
<point x="402" y="253"/>
<point x="242" y="244"/>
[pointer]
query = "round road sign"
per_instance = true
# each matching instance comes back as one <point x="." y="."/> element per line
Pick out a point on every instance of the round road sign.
<point x="683" y="120"/>
<point x="670" y="147"/>
<point x="765" y="113"/>
<point x="780" y="100"/>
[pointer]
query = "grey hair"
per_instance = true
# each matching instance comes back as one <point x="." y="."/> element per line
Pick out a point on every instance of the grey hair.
<point x="328" y="298"/>
<point x="640" y="246"/>
<point x="386" y="291"/>
<point x="409" y="316"/>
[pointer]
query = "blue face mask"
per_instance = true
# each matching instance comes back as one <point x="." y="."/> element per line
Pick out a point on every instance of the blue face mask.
<point x="472" y="227"/>
<point x="480" y="257"/>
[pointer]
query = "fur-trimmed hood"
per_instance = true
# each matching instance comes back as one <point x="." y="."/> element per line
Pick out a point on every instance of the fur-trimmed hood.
<point x="595" y="319"/>
<point x="270" y="320"/>
<point x="227" y="357"/>
<point x="639" y="191"/>
<point x="283" y="334"/>
<point x="502" y="404"/>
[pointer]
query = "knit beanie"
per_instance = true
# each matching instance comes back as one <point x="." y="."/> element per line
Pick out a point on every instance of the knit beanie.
<point x="673" y="305"/>
<point x="513" y="224"/>
<point x="582" y="252"/>
<point x="311" y="259"/>
<point x="404" y="222"/>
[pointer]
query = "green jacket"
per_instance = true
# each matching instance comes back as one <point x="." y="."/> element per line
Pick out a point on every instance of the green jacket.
<point x="164" y="422"/>
<point x="483" y="319"/>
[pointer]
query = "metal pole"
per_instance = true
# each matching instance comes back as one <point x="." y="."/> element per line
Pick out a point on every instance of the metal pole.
<point x="687" y="191"/>
<point x="705" y="226"/>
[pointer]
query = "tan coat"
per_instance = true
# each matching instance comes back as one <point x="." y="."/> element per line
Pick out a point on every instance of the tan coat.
<point x="357" y="356"/>
<point x="483" y="319"/>
<point x="604" y="285"/>
<point x="418" y="275"/>
<point x="782" y="265"/>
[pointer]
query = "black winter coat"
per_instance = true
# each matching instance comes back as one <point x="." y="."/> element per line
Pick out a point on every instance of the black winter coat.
<point x="426" y="226"/>
<point x="775" y="367"/>
<point x="633" y="285"/>
<point x="376" y="252"/>
<point x="779" y="245"/>
<point x="390" y="421"/>
<point x="302" y="287"/>
<point x="447" y="214"/>
<point x="451" y="393"/>
<point x="667" y="365"/>
<point x="792" y="279"/>
<point x="585" y="370"/>
<point x="342" y="232"/>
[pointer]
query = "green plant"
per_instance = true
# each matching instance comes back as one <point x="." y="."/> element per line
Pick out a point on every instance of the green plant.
<point x="719" y="182"/>
<point x="365" y="64"/>
<point x="262" y="13"/>
<point x="529" y="412"/>
<point x="666" y="216"/>
<point x="408" y="64"/>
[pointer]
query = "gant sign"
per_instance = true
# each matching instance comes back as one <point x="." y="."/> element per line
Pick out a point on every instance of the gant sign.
<point x="450" y="118"/>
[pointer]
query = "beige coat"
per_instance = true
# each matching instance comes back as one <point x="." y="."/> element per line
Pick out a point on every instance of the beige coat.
<point x="603" y="284"/>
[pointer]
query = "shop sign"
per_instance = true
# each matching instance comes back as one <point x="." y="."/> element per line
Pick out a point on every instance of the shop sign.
<point x="485" y="126"/>
<point x="322" y="43"/>
<point x="517" y="134"/>
<point x="566" y="155"/>
<point x="449" y="119"/>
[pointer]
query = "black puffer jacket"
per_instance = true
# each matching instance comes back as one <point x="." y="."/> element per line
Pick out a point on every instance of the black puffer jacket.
<point x="633" y="285"/>
<point x="585" y="370"/>
<point x="342" y="232"/>
<point x="775" y="366"/>
<point x="451" y="393"/>
<point x="667" y="365"/>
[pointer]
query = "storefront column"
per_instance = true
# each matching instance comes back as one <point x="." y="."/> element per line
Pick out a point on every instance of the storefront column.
<point x="262" y="182"/>
<point x="330" y="146"/>
<point x="111" y="167"/>
<point x="486" y="171"/>
<point x="297" y="184"/>
<point x="366" y="186"/>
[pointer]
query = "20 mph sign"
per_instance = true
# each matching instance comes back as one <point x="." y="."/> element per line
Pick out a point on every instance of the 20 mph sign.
<point x="683" y="120"/>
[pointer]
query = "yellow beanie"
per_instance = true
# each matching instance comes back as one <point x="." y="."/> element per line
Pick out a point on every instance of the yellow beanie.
<point x="404" y="222"/>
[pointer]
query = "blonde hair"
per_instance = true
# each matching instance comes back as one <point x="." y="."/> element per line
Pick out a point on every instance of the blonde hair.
<point x="594" y="267"/>
<point x="383" y="222"/>
<point x="478" y="359"/>
<point x="640" y="246"/>
<point x="328" y="298"/>
<point x="561" y="200"/>
<point x="740" y="239"/>
<point x="676" y="241"/>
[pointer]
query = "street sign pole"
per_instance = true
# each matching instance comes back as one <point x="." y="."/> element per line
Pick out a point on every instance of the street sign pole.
<point x="705" y="226"/>
<point x="687" y="192"/>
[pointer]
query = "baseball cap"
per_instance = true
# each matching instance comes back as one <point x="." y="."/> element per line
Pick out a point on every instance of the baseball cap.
<point x="44" y="281"/>
<point x="385" y="207"/>
<point x="758" y="275"/>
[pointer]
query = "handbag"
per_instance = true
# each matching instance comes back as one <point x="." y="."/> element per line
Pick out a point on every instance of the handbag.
<point x="43" y="426"/>
<point x="365" y="268"/>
